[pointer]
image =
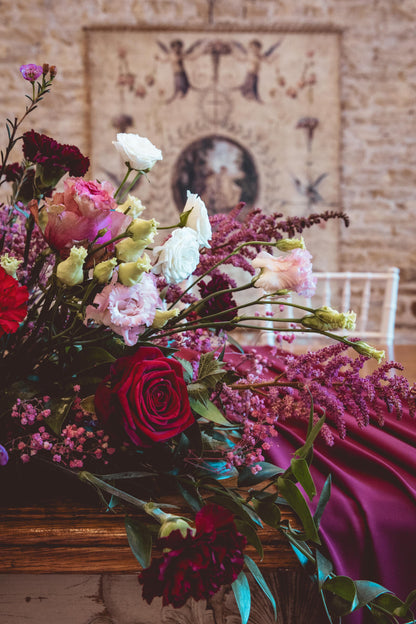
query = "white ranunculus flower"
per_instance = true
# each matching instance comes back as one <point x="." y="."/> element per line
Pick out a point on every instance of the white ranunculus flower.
<point x="198" y="218"/>
<point x="178" y="257"/>
<point x="138" y="151"/>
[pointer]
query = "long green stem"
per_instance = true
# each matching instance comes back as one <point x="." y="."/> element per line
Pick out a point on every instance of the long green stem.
<point x="123" y="181"/>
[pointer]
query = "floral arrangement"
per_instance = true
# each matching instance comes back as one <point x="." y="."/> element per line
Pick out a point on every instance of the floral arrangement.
<point x="119" y="366"/>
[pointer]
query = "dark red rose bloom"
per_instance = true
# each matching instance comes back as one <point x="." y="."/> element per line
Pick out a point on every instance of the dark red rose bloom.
<point x="222" y="303"/>
<point x="196" y="566"/>
<point x="43" y="150"/>
<point x="13" y="303"/>
<point x="146" y="394"/>
<point x="13" y="172"/>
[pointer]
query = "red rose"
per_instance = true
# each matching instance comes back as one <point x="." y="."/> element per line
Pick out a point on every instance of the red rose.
<point x="148" y="392"/>
<point x="13" y="303"/>
<point x="196" y="566"/>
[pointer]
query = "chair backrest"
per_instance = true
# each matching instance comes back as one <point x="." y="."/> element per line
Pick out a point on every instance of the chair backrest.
<point x="372" y="296"/>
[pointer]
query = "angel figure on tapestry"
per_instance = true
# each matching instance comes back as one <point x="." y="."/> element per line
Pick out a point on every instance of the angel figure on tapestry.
<point x="176" y="55"/>
<point x="254" y="56"/>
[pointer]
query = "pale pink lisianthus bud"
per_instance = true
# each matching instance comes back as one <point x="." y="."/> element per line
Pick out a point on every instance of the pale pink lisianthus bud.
<point x="127" y="310"/>
<point x="80" y="213"/>
<point x="293" y="271"/>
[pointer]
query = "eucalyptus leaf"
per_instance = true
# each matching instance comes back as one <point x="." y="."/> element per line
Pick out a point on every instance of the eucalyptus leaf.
<point x="324" y="568"/>
<point x="300" y="470"/>
<point x="367" y="591"/>
<point x="140" y="541"/>
<point x="295" y="499"/>
<point x="269" y="512"/>
<point x="259" y="578"/>
<point x="304" y="450"/>
<point x="251" y="535"/>
<point x="242" y="594"/>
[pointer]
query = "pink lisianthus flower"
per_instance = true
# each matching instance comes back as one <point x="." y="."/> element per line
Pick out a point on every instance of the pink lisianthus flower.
<point x="293" y="271"/>
<point x="79" y="214"/>
<point x="127" y="310"/>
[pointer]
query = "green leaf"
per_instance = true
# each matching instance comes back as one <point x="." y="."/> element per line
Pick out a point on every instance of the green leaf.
<point x="242" y="595"/>
<point x="300" y="470"/>
<point x="251" y="534"/>
<point x="188" y="374"/>
<point x="117" y="476"/>
<point x="343" y="588"/>
<point x="209" y="411"/>
<point x="324" y="568"/>
<point x="367" y="591"/>
<point x="59" y="414"/>
<point x="268" y="471"/>
<point x="269" y="512"/>
<point x="90" y="357"/>
<point x="304" y="450"/>
<point x="258" y="576"/>
<point x="234" y="343"/>
<point x="190" y="495"/>
<point x="295" y="499"/>
<point x="198" y="391"/>
<point x="210" y="370"/>
<point x="323" y="499"/>
<point x="140" y="541"/>
<point x="237" y="507"/>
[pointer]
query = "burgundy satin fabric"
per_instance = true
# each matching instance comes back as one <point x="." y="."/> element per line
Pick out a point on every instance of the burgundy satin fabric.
<point x="369" y="524"/>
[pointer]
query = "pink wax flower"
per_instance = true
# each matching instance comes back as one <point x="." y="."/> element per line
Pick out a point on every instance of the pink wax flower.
<point x="127" y="310"/>
<point x="31" y="72"/>
<point x="293" y="271"/>
<point x="77" y="215"/>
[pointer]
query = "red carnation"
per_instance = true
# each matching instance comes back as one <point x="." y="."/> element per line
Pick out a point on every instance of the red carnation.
<point x="53" y="156"/>
<point x="13" y="172"/>
<point x="13" y="303"/>
<point x="223" y="304"/>
<point x="196" y="566"/>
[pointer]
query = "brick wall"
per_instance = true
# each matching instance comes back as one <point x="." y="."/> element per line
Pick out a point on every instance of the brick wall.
<point x="378" y="90"/>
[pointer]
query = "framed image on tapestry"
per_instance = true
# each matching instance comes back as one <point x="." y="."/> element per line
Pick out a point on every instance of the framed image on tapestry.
<point x="239" y="115"/>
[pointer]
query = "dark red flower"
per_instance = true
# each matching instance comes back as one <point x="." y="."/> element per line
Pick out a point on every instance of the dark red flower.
<point x="13" y="303"/>
<point x="222" y="303"/>
<point x="146" y="394"/>
<point x="196" y="566"/>
<point x="13" y="172"/>
<point x="54" y="156"/>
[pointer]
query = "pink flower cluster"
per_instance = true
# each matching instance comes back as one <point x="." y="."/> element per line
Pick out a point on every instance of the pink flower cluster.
<point x="72" y="448"/>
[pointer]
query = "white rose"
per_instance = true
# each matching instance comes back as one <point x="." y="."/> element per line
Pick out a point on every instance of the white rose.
<point x="138" y="151"/>
<point x="179" y="256"/>
<point x="198" y="218"/>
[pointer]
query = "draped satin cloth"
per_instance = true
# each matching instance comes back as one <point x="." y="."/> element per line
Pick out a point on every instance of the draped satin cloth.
<point x="369" y="523"/>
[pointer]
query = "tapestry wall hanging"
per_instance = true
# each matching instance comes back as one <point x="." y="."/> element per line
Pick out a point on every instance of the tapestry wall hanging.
<point x="250" y="116"/>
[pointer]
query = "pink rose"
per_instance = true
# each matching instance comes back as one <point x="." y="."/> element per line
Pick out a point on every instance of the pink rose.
<point x="127" y="310"/>
<point x="293" y="271"/>
<point x="79" y="213"/>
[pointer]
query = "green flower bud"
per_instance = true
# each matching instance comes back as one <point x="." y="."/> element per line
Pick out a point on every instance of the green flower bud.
<point x="327" y="319"/>
<point x="175" y="523"/>
<point x="70" y="271"/>
<point x="10" y="264"/>
<point x="142" y="229"/>
<point x="129" y="250"/>
<point x="132" y="207"/>
<point x="287" y="244"/>
<point x="103" y="271"/>
<point x="130" y="273"/>
<point x="365" y="349"/>
<point x="163" y="316"/>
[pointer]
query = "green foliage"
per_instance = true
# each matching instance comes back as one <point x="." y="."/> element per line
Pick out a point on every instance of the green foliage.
<point x="242" y="595"/>
<point x="210" y="372"/>
<point x="140" y="541"/>
<point x="258" y="576"/>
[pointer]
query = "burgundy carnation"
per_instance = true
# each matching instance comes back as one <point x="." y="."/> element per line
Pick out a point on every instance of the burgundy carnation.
<point x="41" y="149"/>
<point x="13" y="303"/>
<point x="222" y="303"/>
<point x="145" y="394"/>
<point x="196" y="566"/>
<point x="13" y="172"/>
